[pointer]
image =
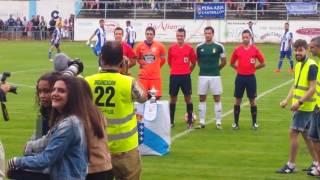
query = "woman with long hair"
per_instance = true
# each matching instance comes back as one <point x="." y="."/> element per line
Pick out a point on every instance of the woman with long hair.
<point x="100" y="167"/>
<point x="37" y="143"/>
<point x="66" y="153"/>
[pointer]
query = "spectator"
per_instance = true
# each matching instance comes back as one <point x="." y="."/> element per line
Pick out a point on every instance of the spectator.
<point x="240" y="7"/>
<point x="65" y="31"/>
<point x="71" y="26"/>
<point x="43" y="29"/>
<point x="250" y="4"/>
<point x="29" y="29"/>
<point x="19" y="27"/>
<point x="11" y="23"/>
<point x="24" y="24"/>
<point x="230" y="4"/>
<point x="1" y="28"/>
<point x="261" y="6"/>
<point x="66" y="153"/>
<point x="59" y="22"/>
<point x="35" y="27"/>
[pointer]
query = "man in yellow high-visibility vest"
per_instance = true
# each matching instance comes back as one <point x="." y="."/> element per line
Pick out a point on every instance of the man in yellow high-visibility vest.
<point x="303" y="98"/>
<point x="314" y="131"/>
<point x="115" y="94"/>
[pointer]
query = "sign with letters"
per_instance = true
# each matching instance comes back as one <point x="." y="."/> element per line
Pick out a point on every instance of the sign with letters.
<point x="210" y="10"/>
<point x="302" y="8"/>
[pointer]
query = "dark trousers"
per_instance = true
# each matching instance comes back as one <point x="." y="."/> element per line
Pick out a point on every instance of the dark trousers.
<point x="27" y="175"/>
<point x="106" y="175"/>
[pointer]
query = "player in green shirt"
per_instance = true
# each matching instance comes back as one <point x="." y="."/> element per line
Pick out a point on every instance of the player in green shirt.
<point x="211" y="59"/>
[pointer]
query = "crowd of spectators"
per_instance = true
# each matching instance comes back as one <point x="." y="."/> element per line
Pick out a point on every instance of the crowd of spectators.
<point x="241" y="5"/>
<point x="36" y="28"/>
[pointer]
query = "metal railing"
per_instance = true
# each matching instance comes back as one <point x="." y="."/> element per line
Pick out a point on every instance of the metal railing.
<point x="186" y="10"/>
<point x="31" y="33"/>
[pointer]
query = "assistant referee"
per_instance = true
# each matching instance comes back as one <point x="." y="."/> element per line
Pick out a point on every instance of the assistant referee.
<point x="243" y="60"/>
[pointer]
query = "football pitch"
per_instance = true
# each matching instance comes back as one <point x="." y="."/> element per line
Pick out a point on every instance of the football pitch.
<point x="204" y="154"/>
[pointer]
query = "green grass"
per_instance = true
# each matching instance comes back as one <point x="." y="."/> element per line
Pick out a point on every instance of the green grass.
<point x="202" y="154"/>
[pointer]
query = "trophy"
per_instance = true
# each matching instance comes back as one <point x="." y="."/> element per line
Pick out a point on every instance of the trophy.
<point x="152" y="92"/>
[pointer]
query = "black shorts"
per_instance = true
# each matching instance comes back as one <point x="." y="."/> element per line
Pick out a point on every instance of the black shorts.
<point x="245" y="82"/>
<point x="25" y="175"/>
<point x="180" y="81"/>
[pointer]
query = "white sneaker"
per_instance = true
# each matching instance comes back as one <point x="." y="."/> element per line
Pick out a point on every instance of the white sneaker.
<point x="255" y="126"/>
<point x="218" y="126"/>
<point x="235" y="126"/>
<point x="50" y="60"/>
<point x="314" y="172"/>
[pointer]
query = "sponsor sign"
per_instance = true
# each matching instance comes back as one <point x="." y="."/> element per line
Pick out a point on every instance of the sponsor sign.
<point x="301" y="8"/>
<point x="210" y="10"/>
<point x="225" y="31"/>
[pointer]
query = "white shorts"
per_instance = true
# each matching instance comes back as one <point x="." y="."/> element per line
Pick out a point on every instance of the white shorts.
<point x="209" y="82"/>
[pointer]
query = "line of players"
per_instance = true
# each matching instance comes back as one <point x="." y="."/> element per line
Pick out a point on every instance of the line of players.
<point x="246" y="59"/>
<point x="182" y="58"/>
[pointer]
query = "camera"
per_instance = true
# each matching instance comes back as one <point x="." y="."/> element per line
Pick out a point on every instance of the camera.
<point x="3" y="98"/>
<point x="70" y="67"/>
<point x="3" y="78"/>
<point x="75" y="67"/>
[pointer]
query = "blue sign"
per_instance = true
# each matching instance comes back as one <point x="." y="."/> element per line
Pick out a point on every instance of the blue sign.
<point x="210" y="10"/>
<point x="301" y="8"/>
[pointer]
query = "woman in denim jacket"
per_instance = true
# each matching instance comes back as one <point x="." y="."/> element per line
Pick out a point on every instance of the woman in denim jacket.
<point x="66" y="154"/>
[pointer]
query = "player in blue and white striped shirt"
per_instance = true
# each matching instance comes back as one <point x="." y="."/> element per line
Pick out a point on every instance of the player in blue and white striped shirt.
<point x="55" y="40"/>
<point x="101" y="38"/>
<point x="100" y="33"/>
<point x="130" y="34"/>
<point x="286" y="48"/>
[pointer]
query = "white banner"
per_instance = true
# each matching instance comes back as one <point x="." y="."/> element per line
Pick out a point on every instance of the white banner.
<point x="301" y="7"/>
<point x="271" y="31"/>
<point x="165" y="29"/>
<point x="225" y="31"/>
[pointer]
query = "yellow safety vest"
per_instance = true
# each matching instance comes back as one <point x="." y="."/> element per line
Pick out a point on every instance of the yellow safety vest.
<point x="112" y="94"/>
<point x="318" y="88"/>
<point x="301" y="85"/>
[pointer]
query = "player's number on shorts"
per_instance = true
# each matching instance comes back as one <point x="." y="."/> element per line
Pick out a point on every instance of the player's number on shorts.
<point x="101" y="91"/>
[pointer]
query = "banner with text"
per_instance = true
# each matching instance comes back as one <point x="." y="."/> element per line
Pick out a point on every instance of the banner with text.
<point x="302" y="8"/>
<point x="225" y="31"/>
<point x="165" y="29"/>
<point x="210" y="10"/>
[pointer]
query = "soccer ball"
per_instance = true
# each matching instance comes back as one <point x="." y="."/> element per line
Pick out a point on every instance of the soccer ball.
<point x="194" y="117"/>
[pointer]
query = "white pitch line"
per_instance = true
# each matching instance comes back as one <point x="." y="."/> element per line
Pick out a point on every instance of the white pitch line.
<point x="185" y="132"/>
<point x="28" y="70"/>
<point x="22" y="85"/>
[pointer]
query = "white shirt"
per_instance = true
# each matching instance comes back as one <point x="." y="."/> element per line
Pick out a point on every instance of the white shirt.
<point x="131" y="34"/>
<point x="285" y="39"/>
<point x="101" y="36"/>
<point x="252" y="36"/>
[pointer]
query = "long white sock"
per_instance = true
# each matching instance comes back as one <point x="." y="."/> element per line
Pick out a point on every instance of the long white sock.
<point x="218" y="111"/>
<point x="202" y="112"/>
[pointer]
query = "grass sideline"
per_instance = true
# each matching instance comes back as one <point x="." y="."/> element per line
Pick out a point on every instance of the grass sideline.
<point x="202" y="154"/>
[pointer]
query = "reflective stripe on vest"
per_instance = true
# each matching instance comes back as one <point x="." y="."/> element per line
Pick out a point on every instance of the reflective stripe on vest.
<point x="318" y="89"/>
<point x="123" y="135"/>
<point x="307" y="100"/>
<point x="301" y="85"/>
<point x="121" y="120"/>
